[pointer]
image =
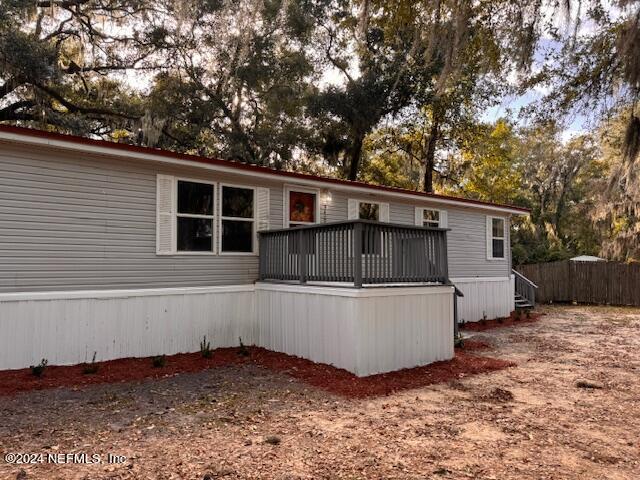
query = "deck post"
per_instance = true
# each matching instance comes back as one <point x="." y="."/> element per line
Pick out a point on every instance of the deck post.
<point x="302" y="255"/>
<point x="357" y="254"/>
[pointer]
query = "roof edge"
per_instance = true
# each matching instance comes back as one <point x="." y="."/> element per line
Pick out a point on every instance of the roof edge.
<point x="123" y="147"/>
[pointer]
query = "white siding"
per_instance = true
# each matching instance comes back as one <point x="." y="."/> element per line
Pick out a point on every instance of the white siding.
<point x="69" y="329"/>
<point x="363" y="331"/>
<point x="488" y="297"/>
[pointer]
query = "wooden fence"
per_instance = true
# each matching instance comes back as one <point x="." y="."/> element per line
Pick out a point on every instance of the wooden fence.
<point x="609" y="283"/>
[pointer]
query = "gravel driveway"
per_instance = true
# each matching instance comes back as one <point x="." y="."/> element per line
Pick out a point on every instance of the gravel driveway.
<point x="532" y="421"/>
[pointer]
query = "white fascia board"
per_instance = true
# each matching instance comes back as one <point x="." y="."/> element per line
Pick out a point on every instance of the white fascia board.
<point x="101" y="150"/>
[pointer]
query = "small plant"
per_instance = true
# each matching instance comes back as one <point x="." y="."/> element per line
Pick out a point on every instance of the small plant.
<point x="39" y="369"/>
<point x="528" y="313"/>
<point x="500" y="320"/>
<point x="243" y="351"/>
<point x="484" y="318"/>
<point x="91" y="368"/>
<point x="159" y="361"/>
<point x="458" y="341"/>
<point x="205" y="348"/>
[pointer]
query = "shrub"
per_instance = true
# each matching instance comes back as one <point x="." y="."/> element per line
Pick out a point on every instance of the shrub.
<point x="205" y="348"/>
<point x="91" y="368"/>
<point x="39" y="369"/>
<point x="159" y="361"/>
<point x="458" y="342"/>
<point x="243" y="350"/>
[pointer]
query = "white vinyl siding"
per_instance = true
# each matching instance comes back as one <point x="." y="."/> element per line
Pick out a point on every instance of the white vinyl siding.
<point x="70" y="222"/>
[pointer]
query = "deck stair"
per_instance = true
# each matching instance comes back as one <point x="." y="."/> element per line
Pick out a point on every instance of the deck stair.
<point x="525" y="292"/>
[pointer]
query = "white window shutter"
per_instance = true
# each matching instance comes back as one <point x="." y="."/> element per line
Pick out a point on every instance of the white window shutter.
<point x="354" y="210"/>
<point x="263" y="209"/>
<point x="489" y="237"/>
<point x="384" y="212"/>
<point x="165" y="215"/>
<point x="419" y="216"/>
<point x="444" y="219"/>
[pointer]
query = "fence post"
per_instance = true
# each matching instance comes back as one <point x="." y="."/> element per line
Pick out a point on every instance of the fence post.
<point x="357" y="254"/>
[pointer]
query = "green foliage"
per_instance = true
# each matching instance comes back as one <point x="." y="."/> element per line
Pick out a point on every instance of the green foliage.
<point x="159" y="361"/>
<point x="38" y="370"/>
<point x="205" y="348"/>
<point x="92" y="367"/>
<point x="243" y="351"/>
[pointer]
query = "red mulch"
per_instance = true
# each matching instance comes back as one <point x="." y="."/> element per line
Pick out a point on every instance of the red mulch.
<point x="323" y="376"/>
<point x="510" y="321"/>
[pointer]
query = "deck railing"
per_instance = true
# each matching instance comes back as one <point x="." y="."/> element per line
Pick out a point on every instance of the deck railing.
<point x="360" y="252"/>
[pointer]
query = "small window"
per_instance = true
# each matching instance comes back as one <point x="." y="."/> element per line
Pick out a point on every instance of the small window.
<point x="195" y="217"/>
<point x="497" y="238"/>
<point x="371" y="243"/>
<point x="237" y="219"/>
<point x="369" y="211"/>
<point x="431" y="218"/>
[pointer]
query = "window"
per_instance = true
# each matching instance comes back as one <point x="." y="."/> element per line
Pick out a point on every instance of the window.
<point x="371" y="243"/>
<point x="194" y="217"/>
<point x="237" y="218"/>
<point x="369" y="211"/>
<point x="496" y="237"/>
<point x="302" y="207"/>
<point x="431" y="218"/>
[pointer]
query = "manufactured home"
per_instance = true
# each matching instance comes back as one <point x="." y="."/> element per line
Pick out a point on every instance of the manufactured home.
<point x="132" y="251"/>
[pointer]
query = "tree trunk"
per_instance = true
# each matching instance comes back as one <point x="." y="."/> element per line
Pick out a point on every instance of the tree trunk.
<point x="429" y="159"/>
<point x="356" y="154"/>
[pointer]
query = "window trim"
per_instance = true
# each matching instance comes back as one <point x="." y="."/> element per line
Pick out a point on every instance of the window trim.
<point x="254" y="220"/>
<point x="440" y="216"/>
<point x="491" y="238"/>
<point x="177" y="215"/>
<point x="296" y="188"/>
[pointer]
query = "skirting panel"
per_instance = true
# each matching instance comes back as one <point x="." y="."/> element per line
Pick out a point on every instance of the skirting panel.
<point x="364" y="331"/>
<point x="485" y="298"/>
<point x="68" y="327"/>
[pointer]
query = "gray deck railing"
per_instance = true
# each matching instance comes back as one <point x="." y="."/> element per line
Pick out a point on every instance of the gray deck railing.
<point x="525" y="287"/>
<point x="360" y="252"/>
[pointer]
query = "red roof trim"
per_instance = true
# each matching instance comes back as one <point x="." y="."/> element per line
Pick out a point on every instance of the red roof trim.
<point x="241" y="166"/>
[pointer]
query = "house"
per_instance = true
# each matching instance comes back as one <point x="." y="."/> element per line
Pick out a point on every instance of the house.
<point x="132" y="251"/>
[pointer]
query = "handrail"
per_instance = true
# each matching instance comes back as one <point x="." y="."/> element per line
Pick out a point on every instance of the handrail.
<point x="523" y="278"/>
<point x="354" y="251"/>
<point x="321" y="226"/>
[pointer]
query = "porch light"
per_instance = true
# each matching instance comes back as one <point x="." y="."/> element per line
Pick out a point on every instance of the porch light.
<point x="326" y="196"/>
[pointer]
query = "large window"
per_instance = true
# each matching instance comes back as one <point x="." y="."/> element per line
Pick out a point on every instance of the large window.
<point x="237" y="219"/>
<point x="195" y="217"/>
<point x="496" y="237"/>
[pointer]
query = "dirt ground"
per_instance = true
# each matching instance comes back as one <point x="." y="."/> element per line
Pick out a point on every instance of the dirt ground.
<point x="532" y="421"/>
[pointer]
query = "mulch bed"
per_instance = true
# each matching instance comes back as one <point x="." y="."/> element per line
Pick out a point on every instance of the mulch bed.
<point x="326" y="377"/>
<point x="510" y="321"/>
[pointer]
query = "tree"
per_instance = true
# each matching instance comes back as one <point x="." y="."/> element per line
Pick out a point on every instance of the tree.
<point x="617" y="211"/>
<point x="59" y="58"/>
